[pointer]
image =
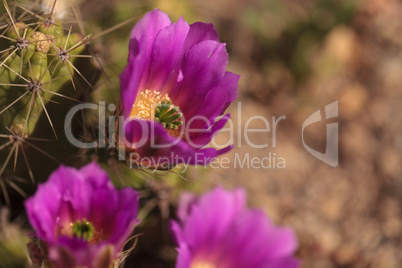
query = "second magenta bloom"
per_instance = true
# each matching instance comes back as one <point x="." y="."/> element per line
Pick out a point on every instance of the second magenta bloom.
<point x="81" y="219"/>
<point x="218" y="230"/>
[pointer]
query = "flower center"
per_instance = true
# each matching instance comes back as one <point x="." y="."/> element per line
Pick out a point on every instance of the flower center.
<point x="167" y="115"/>
<point x="203" y="264"/>
<point x="152" y="105"/>
<point x="83" y="229"/>
<point x="146" y="103"/>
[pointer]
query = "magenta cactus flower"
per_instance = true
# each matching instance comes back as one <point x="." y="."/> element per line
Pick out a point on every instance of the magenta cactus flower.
<point x="174" y="88"/>
<point x="217" y="230"/>
<point x="80" y="217"/>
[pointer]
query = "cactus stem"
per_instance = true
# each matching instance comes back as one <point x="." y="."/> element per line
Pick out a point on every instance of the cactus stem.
<point x="11" y="70"/>
<point x="36" y="49"/>
<point x="82" y="42"/>
<point x="42" y="42"/>
<point x="34" y="86"/>
<point x="31" y="104"/>
<point x="63" y="54"/>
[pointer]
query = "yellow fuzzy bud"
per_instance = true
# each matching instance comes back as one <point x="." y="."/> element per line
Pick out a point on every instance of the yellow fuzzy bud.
<point x="42" y="42"/>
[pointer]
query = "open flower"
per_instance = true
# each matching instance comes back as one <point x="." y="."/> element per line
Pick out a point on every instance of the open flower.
<point x="82" y="220"/>
<point x="174" y="88"/>
<point x="217" y="230"/>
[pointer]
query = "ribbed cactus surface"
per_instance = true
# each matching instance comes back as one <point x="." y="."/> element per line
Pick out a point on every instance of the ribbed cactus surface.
<point x="43" y="64"/>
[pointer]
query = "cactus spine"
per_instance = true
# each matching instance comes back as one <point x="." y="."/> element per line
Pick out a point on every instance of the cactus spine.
<point x="41" y="63"/>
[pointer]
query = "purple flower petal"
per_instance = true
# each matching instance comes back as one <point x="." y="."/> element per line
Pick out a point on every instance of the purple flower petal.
<point x="204" y="65"/>
<point x="153" y="142"/>
<point x="202" y="139"/>
<point x="166" y="56"/>
<point x="186" y="202"/>
<point x="188" y="65"/>
<point x="219" y="229"/>
<point x="139" y="60"/>
<point x="72" y="195"/>
<point x="184" y="257"/>
<point x="200" y="32"/>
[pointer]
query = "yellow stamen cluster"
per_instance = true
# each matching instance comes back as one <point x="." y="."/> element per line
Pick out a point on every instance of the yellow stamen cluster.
<point x="144" y="107"/>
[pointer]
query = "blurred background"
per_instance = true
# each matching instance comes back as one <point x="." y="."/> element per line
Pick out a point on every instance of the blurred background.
<point x="294" y="57"/>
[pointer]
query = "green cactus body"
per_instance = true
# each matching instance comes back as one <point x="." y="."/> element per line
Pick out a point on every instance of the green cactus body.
<point x="38" y="60"/>
<point x="34" y="69"/>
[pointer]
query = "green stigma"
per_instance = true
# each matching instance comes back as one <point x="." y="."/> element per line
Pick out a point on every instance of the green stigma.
<point x="167" y="115"/>
<point x="83" y="229"/>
